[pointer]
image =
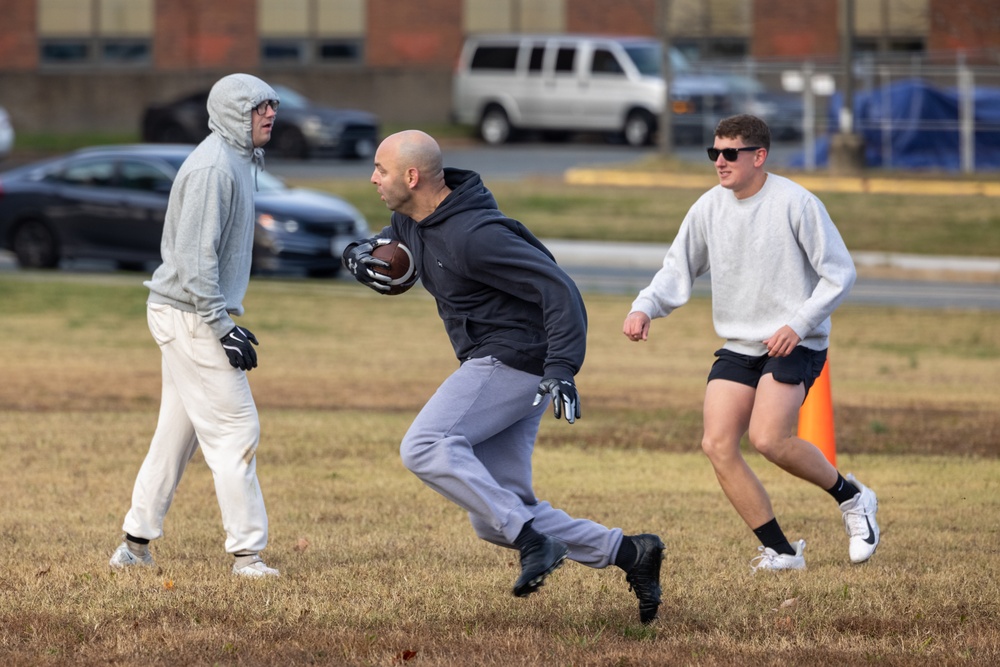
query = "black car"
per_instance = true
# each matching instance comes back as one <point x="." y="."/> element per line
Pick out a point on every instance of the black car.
<point x="109" y="203"/>
<point x="302" y="129"/>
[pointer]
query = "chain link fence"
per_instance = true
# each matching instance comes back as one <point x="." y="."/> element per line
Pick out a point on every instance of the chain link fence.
<point x="911" y="113"/>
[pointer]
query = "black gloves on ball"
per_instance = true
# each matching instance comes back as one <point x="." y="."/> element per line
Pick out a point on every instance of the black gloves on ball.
<point x="237" y="344"/>
<point x="565" y="399"/>
<point x="358" y="260"/>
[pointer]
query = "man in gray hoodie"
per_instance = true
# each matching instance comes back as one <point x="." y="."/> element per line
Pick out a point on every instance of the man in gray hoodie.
<point x="206" y="401"/>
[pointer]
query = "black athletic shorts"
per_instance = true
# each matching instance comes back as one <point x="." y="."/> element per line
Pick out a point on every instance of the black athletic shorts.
<point x="801" y="366"/>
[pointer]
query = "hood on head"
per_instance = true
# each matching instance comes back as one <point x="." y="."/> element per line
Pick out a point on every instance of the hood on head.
<point x="230" y="105"/>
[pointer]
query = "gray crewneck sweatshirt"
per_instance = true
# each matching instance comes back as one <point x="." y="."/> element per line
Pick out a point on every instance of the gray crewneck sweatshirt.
<point x="775" y="258"/>
<point x="207" y="242"/>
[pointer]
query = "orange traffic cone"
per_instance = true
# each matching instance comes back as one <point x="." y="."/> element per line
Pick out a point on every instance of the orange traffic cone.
<point x="816" y="417"/>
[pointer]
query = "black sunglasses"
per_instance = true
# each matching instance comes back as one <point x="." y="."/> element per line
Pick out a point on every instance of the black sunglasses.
<point x="731" y="154"/>
<point x="262" y="107"/>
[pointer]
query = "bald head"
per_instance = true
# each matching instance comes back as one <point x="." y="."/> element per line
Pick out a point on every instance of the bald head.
<point x="409" y="173"/>
<point x="419" y="150"/>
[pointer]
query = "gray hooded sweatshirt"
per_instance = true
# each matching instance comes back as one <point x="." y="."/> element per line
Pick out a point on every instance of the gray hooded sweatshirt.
<point x="207" y="239"/>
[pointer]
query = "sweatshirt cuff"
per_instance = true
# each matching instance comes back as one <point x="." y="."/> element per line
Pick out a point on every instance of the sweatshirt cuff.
<point x="559" y="372"/>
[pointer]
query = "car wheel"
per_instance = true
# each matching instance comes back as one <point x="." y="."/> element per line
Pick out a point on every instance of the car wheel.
<point x="494" y="126"/>
<point x="289" y="143"/>
<point x="638" y="128"/>
<point x="328" y="272"/>
<point x="133" y="266"/>
<point x="364" y="149"/>
<point x="35" y="245"/>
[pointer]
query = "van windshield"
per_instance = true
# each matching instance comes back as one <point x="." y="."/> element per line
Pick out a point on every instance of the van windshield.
<point x="647" y="59"/>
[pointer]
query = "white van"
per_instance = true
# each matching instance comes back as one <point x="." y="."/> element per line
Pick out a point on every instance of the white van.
<point x="566" y="83"/>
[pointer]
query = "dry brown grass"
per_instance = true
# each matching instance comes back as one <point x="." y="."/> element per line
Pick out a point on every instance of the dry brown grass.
<point x="379" y="570"/>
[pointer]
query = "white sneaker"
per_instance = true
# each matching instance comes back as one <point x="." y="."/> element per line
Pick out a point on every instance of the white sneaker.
<point x="769" y="559"/>
<point x="859" y="521"/>
<point x="256" y="569"/>
<point x="123" y="557"/>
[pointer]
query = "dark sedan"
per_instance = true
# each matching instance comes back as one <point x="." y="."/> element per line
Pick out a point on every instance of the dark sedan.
<point x="109" y="203"/>
<point x="303" y="128"/>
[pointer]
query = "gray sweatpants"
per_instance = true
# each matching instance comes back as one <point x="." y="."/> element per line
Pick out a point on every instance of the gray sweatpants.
<point x="472" y="443"/>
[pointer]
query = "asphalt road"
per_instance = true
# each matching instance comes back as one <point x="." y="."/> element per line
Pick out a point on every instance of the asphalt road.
<point x="625" y="268"/>
<point x="866" y="291"/>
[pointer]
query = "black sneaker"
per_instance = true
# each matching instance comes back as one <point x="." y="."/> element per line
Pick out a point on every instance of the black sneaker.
<point x="644" y="577"/>
<point x="538" y="560"/>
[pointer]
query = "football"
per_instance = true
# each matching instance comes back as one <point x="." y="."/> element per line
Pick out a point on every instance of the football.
<point x="401" y="265"/>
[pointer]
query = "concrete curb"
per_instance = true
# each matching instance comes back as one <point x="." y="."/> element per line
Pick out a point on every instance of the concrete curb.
<point x="650" y="256"/>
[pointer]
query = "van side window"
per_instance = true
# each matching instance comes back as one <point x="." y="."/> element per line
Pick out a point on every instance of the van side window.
<point x="605" y="63"/>
<point x="495" y="58"/>
<point x="564" y="58"/>
<point x="535" y="62"/>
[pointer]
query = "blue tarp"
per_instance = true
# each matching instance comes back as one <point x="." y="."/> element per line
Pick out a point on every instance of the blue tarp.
<point x="911" y="124"/>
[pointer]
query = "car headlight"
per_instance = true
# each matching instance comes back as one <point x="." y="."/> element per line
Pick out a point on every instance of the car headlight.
<point x="272" y="224"/>
<point x="360" y="225"/>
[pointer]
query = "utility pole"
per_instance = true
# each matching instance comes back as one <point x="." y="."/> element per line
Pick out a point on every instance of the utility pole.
<point x="847" y="149"/>
<point x="666" y="122"/>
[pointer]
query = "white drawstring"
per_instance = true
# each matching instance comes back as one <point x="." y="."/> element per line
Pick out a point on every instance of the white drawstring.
<point x="258" y="160"/>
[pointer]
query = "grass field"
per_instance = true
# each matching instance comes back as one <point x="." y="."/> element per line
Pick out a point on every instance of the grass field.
<point x="379" y="570"/>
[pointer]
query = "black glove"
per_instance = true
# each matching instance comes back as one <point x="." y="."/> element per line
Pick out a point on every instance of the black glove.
<point x="358" y="260"/>
<point x="565" y="400"/>
<point x="237" y="345"/>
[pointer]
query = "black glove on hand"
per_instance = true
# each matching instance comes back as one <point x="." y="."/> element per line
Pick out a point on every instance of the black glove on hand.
<point x="565" y="400"/>
<point x="358" y="260"/>
<point x="237" y="345"/>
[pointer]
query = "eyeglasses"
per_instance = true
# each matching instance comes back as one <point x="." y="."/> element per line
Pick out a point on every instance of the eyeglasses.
<point x="731" y="154"/>
<point x="262" y="107"/>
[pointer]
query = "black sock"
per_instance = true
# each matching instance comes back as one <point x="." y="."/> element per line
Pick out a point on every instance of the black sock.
<point x="136" y="540"/>
<point x="843" y="490"/>
<point x="627" y="554"/>
<point x="527" y="536"/>
<point x="770" y="536"/>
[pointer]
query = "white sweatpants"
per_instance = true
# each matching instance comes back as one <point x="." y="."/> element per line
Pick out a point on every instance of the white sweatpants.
<point x="205" y="402"/>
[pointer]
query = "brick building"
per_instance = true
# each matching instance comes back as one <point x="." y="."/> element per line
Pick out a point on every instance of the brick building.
<point x="395" y="58"/>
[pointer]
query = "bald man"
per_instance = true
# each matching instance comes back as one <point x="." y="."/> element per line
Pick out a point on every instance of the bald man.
<point x="518" y="326"/>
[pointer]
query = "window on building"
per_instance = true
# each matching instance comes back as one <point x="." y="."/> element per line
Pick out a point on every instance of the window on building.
<point x="64" y="52"/>
<point x="311" y="31"/>
<point x="480" y="16"/>
<point x="895" y="46"/>
<point x="282" y="51"/>
<point x="95" y="32"/>
<point x="125" y="51"/>
<point x="341" y="50"/>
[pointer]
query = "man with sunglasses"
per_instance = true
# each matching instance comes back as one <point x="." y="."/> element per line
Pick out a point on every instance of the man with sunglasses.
<point x="779" y="269"/>
<point x="206" y="402"/>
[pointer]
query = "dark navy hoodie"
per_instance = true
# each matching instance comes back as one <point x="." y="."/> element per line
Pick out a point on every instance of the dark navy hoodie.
<point x="499" y="291"/>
